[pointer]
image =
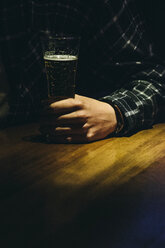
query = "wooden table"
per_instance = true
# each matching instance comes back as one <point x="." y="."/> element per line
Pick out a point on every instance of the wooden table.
<point x="109" y="193"/>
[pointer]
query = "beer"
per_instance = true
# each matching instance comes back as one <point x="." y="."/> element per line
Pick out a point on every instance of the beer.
<point x="60" y="72"/>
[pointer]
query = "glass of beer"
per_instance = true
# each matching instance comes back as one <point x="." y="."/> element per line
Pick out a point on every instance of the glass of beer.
<point x="60" y="55"/>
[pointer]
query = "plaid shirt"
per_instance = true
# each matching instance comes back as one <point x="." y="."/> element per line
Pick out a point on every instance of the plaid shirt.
<point x="117" y="63"/>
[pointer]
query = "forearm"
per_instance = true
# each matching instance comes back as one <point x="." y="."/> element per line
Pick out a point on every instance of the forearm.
<point x="140" y="102"/>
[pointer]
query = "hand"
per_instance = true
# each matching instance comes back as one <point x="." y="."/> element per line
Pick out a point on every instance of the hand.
<point x="81" y="119"/>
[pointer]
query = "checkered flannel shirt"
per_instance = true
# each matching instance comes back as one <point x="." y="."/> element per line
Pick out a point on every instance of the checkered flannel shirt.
<point x="116" y="63"/>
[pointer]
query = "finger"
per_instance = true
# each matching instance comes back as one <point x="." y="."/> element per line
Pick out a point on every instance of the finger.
<point x="69" y="131"/>
<point x="66" y="105"/>
<point x="74" y="139"/>
<point x="63" y="121"/>
<point x="57" y="139"/>
<point x="71" y="118"/>
<point x="48" y="129"/>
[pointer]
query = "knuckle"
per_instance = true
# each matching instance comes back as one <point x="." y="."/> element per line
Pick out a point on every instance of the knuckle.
<point x="72" y="101"/>
<point x="89" y="136"/>
<point x="81" y="115"/>
<point x="78" y="104"/>
<point x="85" y="128"/>
<point x="77" y="115"/>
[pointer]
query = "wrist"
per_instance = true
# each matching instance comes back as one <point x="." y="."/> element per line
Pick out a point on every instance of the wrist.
<point x="119" y="118"/>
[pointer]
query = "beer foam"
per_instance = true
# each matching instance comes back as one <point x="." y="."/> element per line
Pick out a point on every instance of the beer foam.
<point x="60" y="57"/>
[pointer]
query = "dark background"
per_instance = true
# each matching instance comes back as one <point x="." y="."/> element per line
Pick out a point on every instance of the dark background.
<point x="153" y="12"/>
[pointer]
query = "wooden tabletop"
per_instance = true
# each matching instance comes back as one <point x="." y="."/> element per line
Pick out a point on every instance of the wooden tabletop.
<point x="53" y="195"/>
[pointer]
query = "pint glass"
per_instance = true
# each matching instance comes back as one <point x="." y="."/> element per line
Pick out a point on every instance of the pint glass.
<point x="60" y="55"/>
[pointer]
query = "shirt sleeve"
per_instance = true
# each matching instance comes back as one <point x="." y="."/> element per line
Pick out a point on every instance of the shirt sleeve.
<point x="141" y="98"/>
<point x="141" y="103"/>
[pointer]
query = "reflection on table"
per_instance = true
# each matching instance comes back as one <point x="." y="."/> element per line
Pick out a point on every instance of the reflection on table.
<point x="109" y="193"/>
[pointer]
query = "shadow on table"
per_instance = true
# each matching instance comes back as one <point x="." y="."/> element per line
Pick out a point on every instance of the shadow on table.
<point x="131" y="217"/>
<point x="38" y="138"/>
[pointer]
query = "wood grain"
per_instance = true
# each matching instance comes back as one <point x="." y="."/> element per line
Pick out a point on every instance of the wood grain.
<point x="47" y="185"/>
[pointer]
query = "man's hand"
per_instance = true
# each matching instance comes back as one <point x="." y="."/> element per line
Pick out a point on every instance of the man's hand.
<point x="81" y="119"/>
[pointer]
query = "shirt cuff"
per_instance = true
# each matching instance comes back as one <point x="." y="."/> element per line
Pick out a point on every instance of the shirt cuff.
<point x="131" y="114"/>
